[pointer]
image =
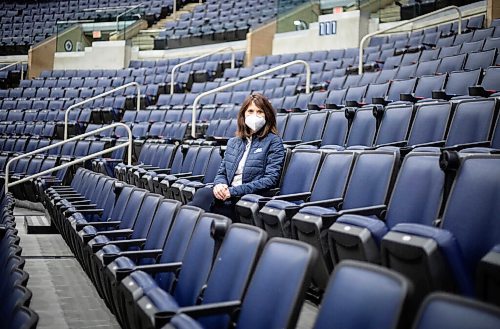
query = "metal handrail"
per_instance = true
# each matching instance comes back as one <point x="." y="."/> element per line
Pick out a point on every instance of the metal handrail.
<point x="172" y="74"/>
<point x="68" y="164"/>
<point x="12" y="64"/>
<point x="369" y="35"/>
<point x="125" y="12"/>
<point x="232" y="84"/>
<point x="66" y="114"/>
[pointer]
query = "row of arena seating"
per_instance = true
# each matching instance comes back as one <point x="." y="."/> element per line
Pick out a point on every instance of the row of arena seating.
<point x="140" y="301"/>
<point x="131" y="247"/>
<point x="15" y="310"/>
<point x="215" y="22"/>
<point x="26" y="23"/>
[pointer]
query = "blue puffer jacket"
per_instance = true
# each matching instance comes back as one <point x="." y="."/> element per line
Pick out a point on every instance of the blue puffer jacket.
<point x="262" y="168"/>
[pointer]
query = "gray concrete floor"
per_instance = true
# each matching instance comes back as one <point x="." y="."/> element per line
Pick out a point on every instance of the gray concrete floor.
<point x="63" y="295"/>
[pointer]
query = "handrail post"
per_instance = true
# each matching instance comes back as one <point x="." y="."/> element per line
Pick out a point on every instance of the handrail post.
<point x="127" y="11"/>
<point x="66" y="114"/>
<point x="257" y="75"/>
<point x="68" y="164"/>
<point x="411" y="21"/>
<point x="192" y="60"/>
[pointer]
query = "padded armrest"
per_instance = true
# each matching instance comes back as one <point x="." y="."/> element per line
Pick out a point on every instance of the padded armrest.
<point x="459" y="147"/>
<point x="194" y="177"/>
<point x="328" y="203"/>
<point x="292" y="142"/>
<point x="116" y="233"/>
<point x="436" y="144"/>
<point x="140" y="254"/>
<point x="159" y="268"/>
<point x="378" y="211"/>
<point x="314" y="142"/>
<point x="230" y="307"/>
<point x="162" y="171"/>
<point x="128" y="243"/>
<point x="293" y="197"/>
<point x="91" y="211"/>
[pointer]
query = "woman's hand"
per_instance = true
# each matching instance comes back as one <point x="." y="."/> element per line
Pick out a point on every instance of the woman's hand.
<point x="221" y="192"/>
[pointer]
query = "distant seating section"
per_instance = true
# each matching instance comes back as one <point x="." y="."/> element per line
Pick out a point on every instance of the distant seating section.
<point x="26" y="23"/>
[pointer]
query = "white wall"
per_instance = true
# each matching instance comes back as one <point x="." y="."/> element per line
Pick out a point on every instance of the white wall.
<point x="351" y="26"/>
<point x="186" y="51"/>
<point x="102" y="55"/>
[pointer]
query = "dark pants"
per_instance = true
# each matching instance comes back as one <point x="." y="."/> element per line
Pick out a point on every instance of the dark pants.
<point x="204" y="198"/>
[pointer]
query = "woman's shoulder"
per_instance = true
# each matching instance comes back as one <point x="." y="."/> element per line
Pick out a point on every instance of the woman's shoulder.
<point x="272" y="137"/>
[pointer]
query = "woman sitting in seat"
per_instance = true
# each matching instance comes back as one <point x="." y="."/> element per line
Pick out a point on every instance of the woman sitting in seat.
<point x="252" y="162"/>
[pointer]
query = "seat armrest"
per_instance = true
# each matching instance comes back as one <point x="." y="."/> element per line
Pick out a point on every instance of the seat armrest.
<point x="159" y="268"/>
<point x="116" y="233"/>
<point x="459" y="147"/>
<point x="378" y="211"/>
<point x="128" y="243"/>
<point x="328" y="203"/>
<point x="293" y="197"/>
<point x="229" y="307"/>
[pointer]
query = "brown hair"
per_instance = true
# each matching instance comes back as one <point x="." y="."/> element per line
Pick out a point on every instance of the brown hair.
<point x="262" y="103"/>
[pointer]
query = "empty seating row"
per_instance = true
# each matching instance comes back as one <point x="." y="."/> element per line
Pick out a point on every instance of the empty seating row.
<point x="16" y="297"/>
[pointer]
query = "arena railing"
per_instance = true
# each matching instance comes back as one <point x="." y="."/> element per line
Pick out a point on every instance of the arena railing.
<point x="130" y="84"/>
<point x="369" y="35"/>
<point x="172" y="79"/>
<point x="251" y="77"/>
<point x="68" y="164"/>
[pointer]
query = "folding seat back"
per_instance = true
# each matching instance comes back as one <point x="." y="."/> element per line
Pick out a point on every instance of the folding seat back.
<point x="336" y="97"/>
<point x="427" y="68"/>
<point x="467" y="232"/>
<point x="470" y="47"/>
<point x="174" y="248"/>
<point x="430" y="123"/>
<point x="481" y="59"/>
<point x="380" y="294"/>
<point x="406" y="72"/>
<point x="451" y="63"/>
<point x="376" y="90"/>
<point x="492" y="43"/>
<point x="355" y="94"/>
<point x="32" y="145"/>
<point x="442" y="310"/>
<point x="427" y="84"/>
<point x="472" y="122"/>
<point x="491" y="79"/>
<point x="333" y="175"/>
<point x="351" y="81"/>
<point x="285" y="265"/>
<point x="336" y="129"/>
<point x="81" y="148"/>
<point x="395" y="124"/>
<point x="363" y="127"/>
<point x="399" y="87"/>
<point x="296" y="178"/>
<point x="196" y="265"/>
<point x="459" y="82"/>
<point x="449" y="51"/>
<point x="295" y="127"/>
<point x="281" y="120"/>
<point x="314" y="126"/>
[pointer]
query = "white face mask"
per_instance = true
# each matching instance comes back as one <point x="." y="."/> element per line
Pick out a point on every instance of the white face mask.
<point x="255" y="122"/>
